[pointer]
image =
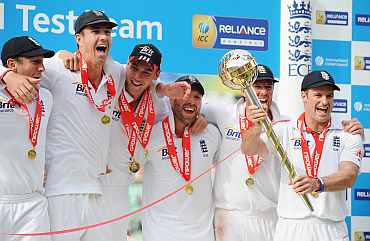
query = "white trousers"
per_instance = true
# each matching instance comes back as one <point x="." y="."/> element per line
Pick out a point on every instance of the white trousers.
<point x="117" y="200"/>
<point x="310" y="229"/>
<point x="25" y="214"/>
<point x="77" y="210"/>
<point x="235" y="225"/>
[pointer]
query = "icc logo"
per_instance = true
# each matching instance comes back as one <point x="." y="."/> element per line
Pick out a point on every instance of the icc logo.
<point x="204" y="32"/>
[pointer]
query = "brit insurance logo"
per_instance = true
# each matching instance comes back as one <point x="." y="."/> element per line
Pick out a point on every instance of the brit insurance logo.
<point x="299" y="38"/>
<point x="229" y="33"/>
<point x="361" y="236"/>
<point x="79" y="90"/>
<point x="232" y="133"/>
<point x="362" y="19"/>
<point x="331" y="18"/>
<point x="340" y="106"/>
<point x="362" y="63"/>
<point x="6" y="105"/>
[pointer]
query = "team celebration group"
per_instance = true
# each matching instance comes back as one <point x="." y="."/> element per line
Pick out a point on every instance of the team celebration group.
<point x="76" y="127"/>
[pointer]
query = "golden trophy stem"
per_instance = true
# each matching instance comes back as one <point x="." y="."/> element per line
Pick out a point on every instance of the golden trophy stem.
<point x="267" y="125"/>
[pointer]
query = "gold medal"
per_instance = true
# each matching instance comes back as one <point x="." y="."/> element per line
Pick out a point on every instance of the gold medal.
<point x="31" y="154"/>
<point x="133" y="166"/>
<point x="189" y="188"/>
<point x="315" y="194"/>
<point x="249" y="181"/>
<point x="105" y="119"/>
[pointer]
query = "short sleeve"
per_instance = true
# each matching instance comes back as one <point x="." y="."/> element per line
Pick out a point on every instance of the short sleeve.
<point x="353" y="149"/>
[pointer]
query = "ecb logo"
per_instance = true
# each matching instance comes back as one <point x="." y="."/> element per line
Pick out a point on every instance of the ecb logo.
<point x="299" y="40"/>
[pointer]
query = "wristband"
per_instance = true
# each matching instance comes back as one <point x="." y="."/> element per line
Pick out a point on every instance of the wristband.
<point x="322" y="185"/>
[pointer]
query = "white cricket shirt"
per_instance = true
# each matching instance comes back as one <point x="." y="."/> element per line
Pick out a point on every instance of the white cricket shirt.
<point x="181" y="217"/>
<point x="77" y="145"/>
<point x="18" y="174"/>
<point x="338" y="146"/>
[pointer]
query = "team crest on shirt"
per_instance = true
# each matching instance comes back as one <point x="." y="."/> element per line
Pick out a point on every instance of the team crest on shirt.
<point x="336" y="143"/>
<point x="232" y="133"/>
<point x="42" y="108"/>
<point x="203" y="147"/>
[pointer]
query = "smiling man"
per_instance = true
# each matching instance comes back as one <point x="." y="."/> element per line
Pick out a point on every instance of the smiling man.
<point x="141" y="104"/>
<point x="174" y="157"/>
<point x="246" y="187"/>
<point x="23" y="207"/>
<point x="326" y="158"/>
<point x="79" y="130"/>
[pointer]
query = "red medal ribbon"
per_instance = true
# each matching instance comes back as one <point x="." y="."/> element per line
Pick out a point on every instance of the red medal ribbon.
<point x="85" y="79"/>
<point x="185" y="172"/>
<point x="312" y="163"/>
<point x="132" y="122"/>
<point x="33" y="123"/>
<point x="253" y="162"/>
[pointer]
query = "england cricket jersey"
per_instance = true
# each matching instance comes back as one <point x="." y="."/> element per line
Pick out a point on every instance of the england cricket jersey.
<point x="183" y="216"/>
<point x="78" y="133"/>
<point x="338" y="146"/>
<point x="20" y="174"/>
<point x="231" y="189"/>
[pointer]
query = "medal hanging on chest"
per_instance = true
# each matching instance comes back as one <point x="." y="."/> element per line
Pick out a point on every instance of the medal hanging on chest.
<point x="111" y="90"/>
<point x="132" y="122"/>
<point x="185" y="171"/>
<point x="312" y="163"/>
<point x="253" y="162"/>
<point x="33" y="125"/>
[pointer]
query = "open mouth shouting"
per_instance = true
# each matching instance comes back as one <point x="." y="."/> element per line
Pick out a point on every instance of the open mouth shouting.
<point x="102" y="49"/>
<point x="322" y="110"/>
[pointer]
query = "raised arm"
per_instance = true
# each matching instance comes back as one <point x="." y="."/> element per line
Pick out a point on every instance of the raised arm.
<point x="252" y="143"/>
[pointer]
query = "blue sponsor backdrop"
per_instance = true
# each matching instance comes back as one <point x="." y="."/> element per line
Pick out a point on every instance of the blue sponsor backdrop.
<point x="361" y="196"/>
<point x="51" y="22"/>
<point x="168" y="25"/>
<point x="333" y="56"/>
<point x="361" y="26"/>
<point x="361" y="104"/>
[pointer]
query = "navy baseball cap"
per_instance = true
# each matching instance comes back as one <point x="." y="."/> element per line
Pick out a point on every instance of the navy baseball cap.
<point x="193" y="82"/>
<point x="265" y="73"/>
<point x="92" y="17"/>
<point x="23" y="46"/>
<point x="148" y="53"/>
<point x="317" y="79"/>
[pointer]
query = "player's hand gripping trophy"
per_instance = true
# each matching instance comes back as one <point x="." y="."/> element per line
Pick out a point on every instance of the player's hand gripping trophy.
<point x="238" y="71"/>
